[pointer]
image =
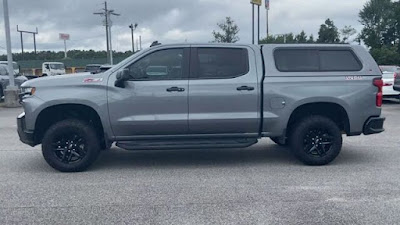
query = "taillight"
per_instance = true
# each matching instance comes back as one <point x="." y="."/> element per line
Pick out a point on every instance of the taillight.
<point x="378" y="82"/>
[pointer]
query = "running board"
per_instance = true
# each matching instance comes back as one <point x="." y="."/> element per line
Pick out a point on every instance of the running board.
<point x="186" y="144"/>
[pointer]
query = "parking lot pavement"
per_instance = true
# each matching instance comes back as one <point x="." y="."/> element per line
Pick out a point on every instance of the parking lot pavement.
<point x="262" y="184"/>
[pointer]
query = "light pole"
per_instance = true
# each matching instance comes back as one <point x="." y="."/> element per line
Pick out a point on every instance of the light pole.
<point x="133" y="28"/>
<point x="11" y="92"/>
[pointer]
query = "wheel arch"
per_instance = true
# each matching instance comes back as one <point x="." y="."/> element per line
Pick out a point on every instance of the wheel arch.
<point x="332" y="110"/>
<point x="58" y="112"/>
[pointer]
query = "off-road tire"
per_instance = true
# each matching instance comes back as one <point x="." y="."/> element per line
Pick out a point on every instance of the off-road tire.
<point x="81" y="128"/>
<point x="302" y="134"/>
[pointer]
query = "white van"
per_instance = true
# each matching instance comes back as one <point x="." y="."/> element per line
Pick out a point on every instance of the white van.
<point x="53" y="69"/>
<point x="15" y="66"/>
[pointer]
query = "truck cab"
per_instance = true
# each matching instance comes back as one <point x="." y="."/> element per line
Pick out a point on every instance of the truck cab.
<point x="53" y="68"/>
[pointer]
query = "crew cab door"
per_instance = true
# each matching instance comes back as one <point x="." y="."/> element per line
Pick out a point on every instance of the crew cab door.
<point x="155" y="100"/>
<point x="223" y="91"/>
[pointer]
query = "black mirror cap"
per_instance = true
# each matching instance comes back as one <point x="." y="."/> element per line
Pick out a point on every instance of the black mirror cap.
<point x="122" y="76"/>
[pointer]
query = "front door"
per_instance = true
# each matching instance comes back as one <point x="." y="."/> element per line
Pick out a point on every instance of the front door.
<point x="155" y="100"/>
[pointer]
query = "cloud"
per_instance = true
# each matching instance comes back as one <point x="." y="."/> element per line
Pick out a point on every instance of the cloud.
<point x="166" y="21"/>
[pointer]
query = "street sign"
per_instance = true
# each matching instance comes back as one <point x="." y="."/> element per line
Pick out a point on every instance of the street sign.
<point x="256" y="2"/>
<point x="64" y="36"/>
<point x="267" y="4"/>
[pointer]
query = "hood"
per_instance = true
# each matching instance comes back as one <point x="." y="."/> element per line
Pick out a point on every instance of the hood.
<point x="64" y="80"/>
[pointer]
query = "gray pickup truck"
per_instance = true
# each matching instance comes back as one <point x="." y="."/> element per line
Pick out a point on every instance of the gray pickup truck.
<point x="207" y="96"/>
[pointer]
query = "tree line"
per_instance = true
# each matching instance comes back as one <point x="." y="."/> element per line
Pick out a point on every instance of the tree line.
<point x="72" y="54"/>
<point x="328" y="33"/>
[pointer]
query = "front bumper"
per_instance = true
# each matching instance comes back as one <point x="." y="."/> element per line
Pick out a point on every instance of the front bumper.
<point x="374" y="125"/>
<point x="25" y="136"/>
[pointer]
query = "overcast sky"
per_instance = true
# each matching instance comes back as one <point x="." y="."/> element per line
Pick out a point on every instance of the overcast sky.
<point x="168" y="21"/>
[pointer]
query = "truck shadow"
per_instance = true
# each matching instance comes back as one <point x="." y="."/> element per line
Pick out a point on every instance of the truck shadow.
<point x="269" y="155"/>
<point x="120" y="159"/>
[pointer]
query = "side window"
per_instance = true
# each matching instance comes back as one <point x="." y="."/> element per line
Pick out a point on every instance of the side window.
<point x="315" y="60"/>
<point x="161" y="65"/>
<point x="221" y="63"/>
<point x="339" y="61"/>
<point x="297" y="60"/>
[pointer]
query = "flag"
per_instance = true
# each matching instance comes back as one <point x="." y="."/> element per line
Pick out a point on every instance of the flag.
<point x="267" y="4"/>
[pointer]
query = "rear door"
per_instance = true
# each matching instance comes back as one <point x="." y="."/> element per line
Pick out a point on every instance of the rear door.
<point x="223" y="91"/>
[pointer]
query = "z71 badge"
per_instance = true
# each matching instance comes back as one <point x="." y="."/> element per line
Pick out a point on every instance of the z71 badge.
<point x="354" y="78"/>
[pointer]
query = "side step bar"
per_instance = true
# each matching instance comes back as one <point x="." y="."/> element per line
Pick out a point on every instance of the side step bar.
<point x="186" y="144"/>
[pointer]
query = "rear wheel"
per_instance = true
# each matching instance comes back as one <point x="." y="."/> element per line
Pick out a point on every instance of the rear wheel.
<point x="70" y="145"/>
<point x="316" y="140"/>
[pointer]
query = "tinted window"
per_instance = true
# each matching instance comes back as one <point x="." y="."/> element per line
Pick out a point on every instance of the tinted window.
<point x="160" y="65"/>
<point x="339" y="61"/>
<point x="314" y="60"/>
<point x="221" y="62"/>
<point x="297" y="60"/>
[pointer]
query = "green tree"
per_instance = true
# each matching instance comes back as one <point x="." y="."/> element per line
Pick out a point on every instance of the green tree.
<point x="386" y="55"/>
<point x="377" y="17"/>
<point x="347" y="32"/>
<point x="328" y="33"/>
<point x="301" y="38"/>
<point x="229" y="31"/>
<point x="311" y="39"/>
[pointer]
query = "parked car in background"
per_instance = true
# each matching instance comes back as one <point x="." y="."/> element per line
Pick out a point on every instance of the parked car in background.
<point x="396" y="85"/>
<point x="207" y="96"/>
<point x="389" y="73"/>
<point x="53" y="69"/>
<point x="104" y="68"/>
<point x="5" y="79"/>
<point x="15" y="66"/>
<point x="93" y="68"/>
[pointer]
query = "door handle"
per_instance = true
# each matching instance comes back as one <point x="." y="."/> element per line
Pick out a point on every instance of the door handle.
<point x="245" y="88"/>
<point x="175" y="89"/>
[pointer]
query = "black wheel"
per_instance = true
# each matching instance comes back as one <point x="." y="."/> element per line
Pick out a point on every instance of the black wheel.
<point x="70" y="145"/>
<point x="316" y="140"/>
<point x="278" y="141"/>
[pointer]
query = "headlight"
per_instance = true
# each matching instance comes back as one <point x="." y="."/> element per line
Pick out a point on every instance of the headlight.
<point x="28" y="90"/>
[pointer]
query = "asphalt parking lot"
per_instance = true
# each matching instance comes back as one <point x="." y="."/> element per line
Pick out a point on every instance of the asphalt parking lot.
<point x="262" y="184"/>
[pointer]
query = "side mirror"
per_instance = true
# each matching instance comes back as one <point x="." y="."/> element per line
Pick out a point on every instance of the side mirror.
<point x="122" y="76"/>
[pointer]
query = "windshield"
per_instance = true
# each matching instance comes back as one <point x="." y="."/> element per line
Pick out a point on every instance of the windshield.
<point x="57" y="66"/>
<point x="390" y="69"/>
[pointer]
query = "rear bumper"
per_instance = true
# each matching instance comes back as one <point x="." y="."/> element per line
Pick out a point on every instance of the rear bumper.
<point x="374" y="125"/>
<point x="25" y="136"/>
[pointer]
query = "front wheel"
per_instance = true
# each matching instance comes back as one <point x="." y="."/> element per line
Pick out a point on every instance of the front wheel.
<point x="70" y="145"/>
<point x="316" y="140"/>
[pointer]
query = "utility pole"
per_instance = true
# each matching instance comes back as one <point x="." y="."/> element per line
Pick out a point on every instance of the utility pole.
<point x="108" y="24"/>
<point x="133" y="28"/>
<point x="140" y="42"/>
<point x="11" y="92"/>
<point x="267" y="11"/>
<point x="22" y="41"/>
